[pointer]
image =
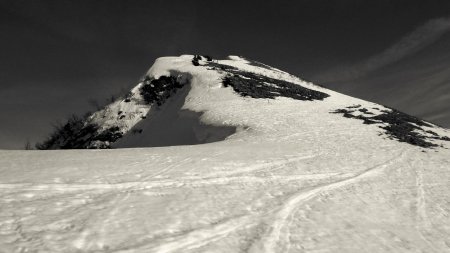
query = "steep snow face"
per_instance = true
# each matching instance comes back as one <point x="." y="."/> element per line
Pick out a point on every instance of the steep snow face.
<point x="305" y="170"/>
<point x="216" y="103"/>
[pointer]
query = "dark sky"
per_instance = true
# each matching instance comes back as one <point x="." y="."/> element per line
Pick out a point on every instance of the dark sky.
<point x="56" y="55"/>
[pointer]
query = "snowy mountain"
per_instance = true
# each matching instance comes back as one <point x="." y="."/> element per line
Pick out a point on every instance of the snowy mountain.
<point x="192" y="99"/>
<point x="234" y="156"/>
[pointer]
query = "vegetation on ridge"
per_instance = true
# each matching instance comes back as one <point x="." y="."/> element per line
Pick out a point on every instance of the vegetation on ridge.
<point x="79" y="133"/>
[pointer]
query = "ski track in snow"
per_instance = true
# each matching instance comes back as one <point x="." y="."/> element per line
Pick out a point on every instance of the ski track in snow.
<point x="117" y="190"/>
<point x="269" y="241"/>
<point x="424" y="223"/>
<point x="203" y="236"/>
<point x="224" y="177"/>
<point x="120" y="192"/>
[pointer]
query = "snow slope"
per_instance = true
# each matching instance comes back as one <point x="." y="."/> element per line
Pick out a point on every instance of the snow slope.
<point x="272" y="175"/>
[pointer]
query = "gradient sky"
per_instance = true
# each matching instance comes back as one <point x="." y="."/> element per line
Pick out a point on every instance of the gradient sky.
<point x="56" y="55"/>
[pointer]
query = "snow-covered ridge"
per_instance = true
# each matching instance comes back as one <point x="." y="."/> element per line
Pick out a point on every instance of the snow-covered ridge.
<point x="216" y="87"/>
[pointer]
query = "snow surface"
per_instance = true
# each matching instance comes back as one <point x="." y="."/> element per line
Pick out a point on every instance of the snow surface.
<point x="292" y="177"/>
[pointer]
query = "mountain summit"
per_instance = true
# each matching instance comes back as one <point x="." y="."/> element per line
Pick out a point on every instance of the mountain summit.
<point x="196" y="99"/>
<point x="233" y="156"/>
